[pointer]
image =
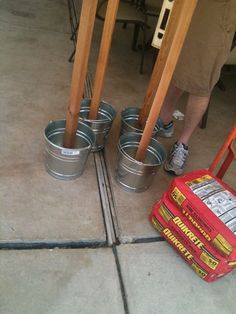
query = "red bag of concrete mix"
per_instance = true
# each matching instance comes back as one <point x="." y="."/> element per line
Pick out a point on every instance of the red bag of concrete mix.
<point x="182" y="247"/>
<point x="195" y="242"/>
<point x="210" y="206"/>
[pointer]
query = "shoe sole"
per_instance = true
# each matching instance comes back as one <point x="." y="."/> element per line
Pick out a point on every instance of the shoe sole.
<point x="172" y="171"/>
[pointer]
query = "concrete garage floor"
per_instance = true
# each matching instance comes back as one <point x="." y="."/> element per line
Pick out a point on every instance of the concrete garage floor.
<point x="86" y="246"/>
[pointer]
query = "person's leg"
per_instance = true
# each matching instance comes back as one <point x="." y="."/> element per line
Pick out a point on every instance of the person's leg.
<point x="195" y="109"/>
<point x="165" y="121"/>
<point x="196" y="106"/>
<point x="168" y="107"/>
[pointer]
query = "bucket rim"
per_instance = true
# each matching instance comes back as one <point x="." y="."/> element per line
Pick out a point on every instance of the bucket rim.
<point x="87" y="101"/>
<point x="140" y="163"/>
<point x="94" y="120"/>
<point x="63" y="128"/>
<point x="121" y="150"/>
<point x="131" y="108"/>
<point x="134" y="128"/>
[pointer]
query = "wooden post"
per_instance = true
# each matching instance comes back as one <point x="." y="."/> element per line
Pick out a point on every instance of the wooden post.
<point x="188" y="7"/>
<point x="160" y="63"/>
<point x="109" y="23"/>
<point x="84" y="38"/>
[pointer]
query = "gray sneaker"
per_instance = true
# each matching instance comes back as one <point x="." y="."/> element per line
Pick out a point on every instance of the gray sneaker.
<point x="177" y="159"/>
<point x="166" y="131"/>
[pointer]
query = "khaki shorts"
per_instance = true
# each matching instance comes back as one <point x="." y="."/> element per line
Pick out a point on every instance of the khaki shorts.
<point x="206" y="47"/>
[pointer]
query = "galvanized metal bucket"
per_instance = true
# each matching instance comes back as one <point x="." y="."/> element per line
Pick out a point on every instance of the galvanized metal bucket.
<point x="65" y="163"/>
<point x="129" y="119"/>
<point x="132" y="175"/>
<point x="102" y="125"/>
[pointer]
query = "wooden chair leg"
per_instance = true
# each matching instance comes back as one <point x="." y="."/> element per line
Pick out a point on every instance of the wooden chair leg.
<point x="143" y="50"/>
<point x="71" y="58"/>
<point x="135" y="37"/>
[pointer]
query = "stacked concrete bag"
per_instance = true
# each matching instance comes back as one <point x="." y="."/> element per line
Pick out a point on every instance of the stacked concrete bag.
<point x="197" y="216"/>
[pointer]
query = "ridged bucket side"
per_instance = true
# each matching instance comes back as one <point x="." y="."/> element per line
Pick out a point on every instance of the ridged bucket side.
<point x="129" y="121"/>
<point x="65" y="163"/>
<point x="132" y="175"/>
<point x="102" y="125"/>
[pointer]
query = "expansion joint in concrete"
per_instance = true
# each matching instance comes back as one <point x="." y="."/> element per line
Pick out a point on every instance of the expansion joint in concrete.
<point x="50" y="244"/>
<point x="121" y="281"/>
<point x="107" y="200"/>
